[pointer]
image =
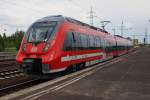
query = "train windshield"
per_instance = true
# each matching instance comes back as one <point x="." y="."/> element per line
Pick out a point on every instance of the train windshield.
<point x="41" y="31"/>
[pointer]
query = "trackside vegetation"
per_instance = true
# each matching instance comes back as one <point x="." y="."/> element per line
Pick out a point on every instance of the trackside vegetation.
<point x="11" y="43"/>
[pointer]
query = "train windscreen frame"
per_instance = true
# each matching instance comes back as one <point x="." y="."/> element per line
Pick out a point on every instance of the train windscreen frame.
<point x="41" y="31"/>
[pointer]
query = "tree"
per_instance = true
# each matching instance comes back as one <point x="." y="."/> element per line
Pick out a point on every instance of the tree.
<point x="18" y="38"/>
<point x="1" y="43"/>
<point x="4" y="40"/>
<point x="11" y="41"/>
<point x="4" y="36"/>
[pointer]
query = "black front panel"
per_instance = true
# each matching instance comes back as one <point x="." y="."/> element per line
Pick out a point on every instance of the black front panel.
<point x="32" y="66"/>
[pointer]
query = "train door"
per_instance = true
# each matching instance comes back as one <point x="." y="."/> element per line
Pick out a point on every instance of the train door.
<point x="68" y="46"/>
<point x="103" y="46"/>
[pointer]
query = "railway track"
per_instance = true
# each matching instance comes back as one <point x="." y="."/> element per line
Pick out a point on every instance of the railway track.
<point x="10" y="74"/>
<point x="10" y="59"/>
<point x="7" y="64"/>
<point x="18" y="86"/>
<point x="7" y="57"/>
<point x="11" y="79"/>
<point x="14" y="80"/>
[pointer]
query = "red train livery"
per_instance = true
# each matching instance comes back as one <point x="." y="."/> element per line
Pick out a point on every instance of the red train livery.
<point x="57" y="43"/>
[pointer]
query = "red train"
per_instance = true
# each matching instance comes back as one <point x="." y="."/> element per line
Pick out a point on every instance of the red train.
<point x="57" y="43"/>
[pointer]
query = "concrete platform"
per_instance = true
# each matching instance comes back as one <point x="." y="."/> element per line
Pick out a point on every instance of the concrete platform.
<point x="128" y="79"/>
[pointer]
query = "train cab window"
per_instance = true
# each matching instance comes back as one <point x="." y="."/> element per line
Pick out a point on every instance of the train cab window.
<point x="41" y="31"/>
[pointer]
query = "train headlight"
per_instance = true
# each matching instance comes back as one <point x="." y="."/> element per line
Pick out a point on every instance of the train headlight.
<point x="24" y="47"/>
<point x="46" y="47"/>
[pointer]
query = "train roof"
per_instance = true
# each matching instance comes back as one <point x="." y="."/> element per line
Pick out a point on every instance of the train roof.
<point x="61" y="18"/>
<point x="124" y="37"/>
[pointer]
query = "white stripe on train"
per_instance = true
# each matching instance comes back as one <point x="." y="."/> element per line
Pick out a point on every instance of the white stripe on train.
<point x="77" y="57"/>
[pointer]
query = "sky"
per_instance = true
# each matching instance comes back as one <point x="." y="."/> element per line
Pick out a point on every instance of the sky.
<point x="20" y="14"/>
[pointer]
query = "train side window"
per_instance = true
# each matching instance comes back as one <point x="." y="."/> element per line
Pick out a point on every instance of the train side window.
<point x="92" y="44"/>
<point x="68" y="42"/>
<point x="84" y="41"/>
<point x="88" y="42"/>
<point x="95" y="42"/>
<point x="88" y="37"/>
<point x="79" y="44"/>
<point x="98" y="42"/>
<point x="107" y="47"/>
<point x="74" y="41"/>
<point x="113" y="47"/>
<point x="103" y="44"/>
<point x="110" y="46"/>
<point x="73" y="36"/>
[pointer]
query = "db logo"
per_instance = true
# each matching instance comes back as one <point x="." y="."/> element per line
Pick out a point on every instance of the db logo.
<point x="34" y="49"/>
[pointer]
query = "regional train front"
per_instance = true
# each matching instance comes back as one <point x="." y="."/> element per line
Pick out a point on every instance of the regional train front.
<point x="35" y="49"/>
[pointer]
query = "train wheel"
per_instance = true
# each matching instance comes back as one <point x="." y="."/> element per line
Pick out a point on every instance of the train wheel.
<point x="74" y="68"/>
<point x="82" y="66"/>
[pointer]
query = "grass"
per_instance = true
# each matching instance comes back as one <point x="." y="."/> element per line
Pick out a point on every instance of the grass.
<point x="12" y="49"/>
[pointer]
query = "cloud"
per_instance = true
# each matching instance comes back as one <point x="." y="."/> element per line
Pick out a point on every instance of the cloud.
<point x="19" y="14"/>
